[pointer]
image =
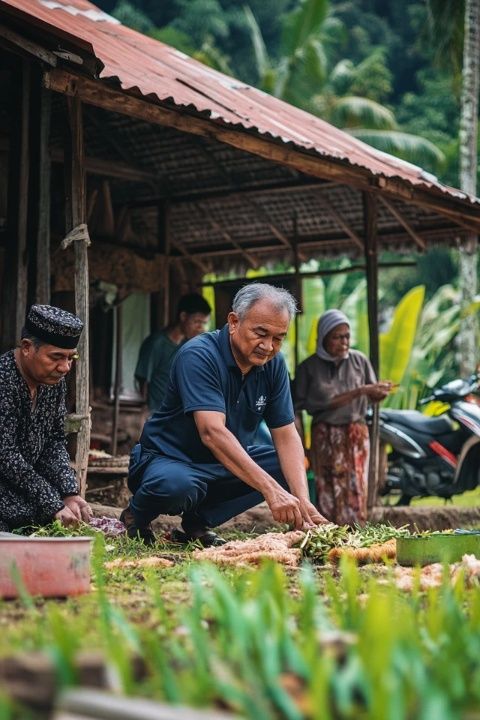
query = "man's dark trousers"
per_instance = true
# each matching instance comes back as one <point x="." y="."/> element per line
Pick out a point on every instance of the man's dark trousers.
<point x="204" y="494"/>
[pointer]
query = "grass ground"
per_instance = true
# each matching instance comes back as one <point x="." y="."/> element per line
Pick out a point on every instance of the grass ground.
<point x="269" y="644"/>
<point x="25" y="623"/>
<point x="467" y="499"/>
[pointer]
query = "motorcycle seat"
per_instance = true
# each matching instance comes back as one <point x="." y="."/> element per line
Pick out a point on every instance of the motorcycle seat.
<point x="417" y="421"/>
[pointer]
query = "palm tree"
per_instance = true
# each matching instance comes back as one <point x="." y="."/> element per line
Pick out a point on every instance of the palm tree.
<point x="455" y="28"/>
<point x="301" y="76"/>
<point x="468" y="177"/>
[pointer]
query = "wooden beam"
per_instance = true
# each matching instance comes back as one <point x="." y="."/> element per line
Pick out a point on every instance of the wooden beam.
<point x="257" y="190"/>
<point x="91" y="202"/>
<point x="399" y="217"/>
<point x="27" y="46"/>
<point x="118" y="378"/>
<point x="461" y="212"/>
<point x="164" y="247"/>
<point x="309" y="273"/>
<point x="232" y="184"/>
<point x="341" y="223"/>
<point x="14" y="287"/>
<point x="329" y="244"/>
<point x="195" y="260"/>
<point x="252" y="261"/>
<point x="109" y="168"/>
<point x="100" y="94"/>
<point x="263" y="249"/>
<point x="109" y="139"/>
<point x="43" y="278"/>
<point x="122" y="224"/>
<point x="265" y="217"/>
<point x="75" y="207"/>
<point x="371" y="262"/>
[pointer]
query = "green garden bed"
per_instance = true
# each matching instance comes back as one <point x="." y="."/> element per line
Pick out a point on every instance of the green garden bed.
<point x="264" y="644"/>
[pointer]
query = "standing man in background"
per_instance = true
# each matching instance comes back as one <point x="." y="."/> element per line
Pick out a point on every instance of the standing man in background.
<point x="158" y="349"/>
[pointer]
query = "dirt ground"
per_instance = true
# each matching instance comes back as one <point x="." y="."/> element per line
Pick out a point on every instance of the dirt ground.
<point x="259" y="519"/>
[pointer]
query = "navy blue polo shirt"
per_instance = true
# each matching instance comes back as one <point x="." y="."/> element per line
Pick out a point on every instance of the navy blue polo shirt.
<point x="205" y="376"/>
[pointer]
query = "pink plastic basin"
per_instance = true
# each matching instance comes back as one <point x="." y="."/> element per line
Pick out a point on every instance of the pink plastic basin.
<point x="51" y="567"/>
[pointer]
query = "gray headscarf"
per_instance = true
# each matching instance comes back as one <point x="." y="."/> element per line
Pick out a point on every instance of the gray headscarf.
<point x="329" y="320"/>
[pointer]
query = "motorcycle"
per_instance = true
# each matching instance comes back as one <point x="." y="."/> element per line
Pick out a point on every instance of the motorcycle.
<point x="437" y="456"/>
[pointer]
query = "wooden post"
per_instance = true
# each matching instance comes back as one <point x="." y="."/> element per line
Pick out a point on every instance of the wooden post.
<point x="76" y="215"/>
<point x="298" y="285"/>
<point x="14" y="291"/>
<point x="371" y="261"/>
<point x="43" y="274"/>
<point x="118" y="377"/>
<point x="164" y="248"/>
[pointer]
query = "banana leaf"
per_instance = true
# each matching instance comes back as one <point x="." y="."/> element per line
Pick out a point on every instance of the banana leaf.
<point x="313" y="307"/>
<point x="396" y="345"/>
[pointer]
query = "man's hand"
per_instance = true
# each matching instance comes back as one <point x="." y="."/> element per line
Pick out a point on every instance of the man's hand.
<point x="311" y="516"/>
<point x="66" y="517"/>
<point x="80" y="509"/>
<point x="284" y="507"/>
<point x="300" y="513"/>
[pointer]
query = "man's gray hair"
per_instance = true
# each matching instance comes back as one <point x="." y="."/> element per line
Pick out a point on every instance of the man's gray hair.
<point x="250" y="294"/>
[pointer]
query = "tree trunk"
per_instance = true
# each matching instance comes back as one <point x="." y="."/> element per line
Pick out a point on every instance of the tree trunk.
<point x="467" y="340"/>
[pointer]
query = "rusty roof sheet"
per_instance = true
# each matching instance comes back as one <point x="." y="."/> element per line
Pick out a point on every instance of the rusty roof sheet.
<point x="144" y="65"/>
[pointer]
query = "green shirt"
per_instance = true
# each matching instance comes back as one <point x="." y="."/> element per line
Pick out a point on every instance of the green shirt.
<point x="153" y="365"/>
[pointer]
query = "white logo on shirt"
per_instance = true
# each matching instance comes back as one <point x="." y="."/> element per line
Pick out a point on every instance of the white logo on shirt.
<point x="261" y="402"/>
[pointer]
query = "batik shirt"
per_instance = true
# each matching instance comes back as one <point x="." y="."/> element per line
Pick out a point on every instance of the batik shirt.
<point x="35" y="472"/>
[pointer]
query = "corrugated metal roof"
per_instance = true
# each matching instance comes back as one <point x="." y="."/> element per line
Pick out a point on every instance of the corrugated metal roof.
<point x="147" y="66"/>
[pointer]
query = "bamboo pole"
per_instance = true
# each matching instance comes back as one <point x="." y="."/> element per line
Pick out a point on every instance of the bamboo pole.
<point x="76" y="216"/>
<point x="118" y="377"/>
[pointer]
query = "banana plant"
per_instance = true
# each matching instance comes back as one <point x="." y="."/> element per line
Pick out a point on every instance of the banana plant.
<point x="396" y="345"/>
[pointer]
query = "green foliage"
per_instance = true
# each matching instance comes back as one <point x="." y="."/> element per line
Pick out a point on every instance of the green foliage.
<point x="391" y="70"/>
<point x="304" y="23"/>
<point x="267" y="646"/>
<point x="396" y="345"/>
<point x="406" y="146"/>
<point x="446" y="27"/>
<point x="353" y="112"/>
<point x="132" y="16"/>
<point x="200" y="19"/>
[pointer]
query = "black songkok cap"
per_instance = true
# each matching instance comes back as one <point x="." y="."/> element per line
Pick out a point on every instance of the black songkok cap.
<point x="54" y="326"/>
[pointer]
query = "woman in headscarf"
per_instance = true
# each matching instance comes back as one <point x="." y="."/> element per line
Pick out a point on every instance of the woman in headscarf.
<point x="335" y="386"/>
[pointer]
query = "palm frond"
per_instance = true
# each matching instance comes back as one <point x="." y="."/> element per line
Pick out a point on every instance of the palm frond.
<point x="353" y="111"/>
<point x="313" y="63"/>
<point x="302" y="23"/>
<point x="259" y="47"/>
<point x="409" y="147"/>
<point x="342" y="72"/>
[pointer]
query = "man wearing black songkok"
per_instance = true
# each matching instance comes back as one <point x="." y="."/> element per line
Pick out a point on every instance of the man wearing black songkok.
<point x="37" y="484"/>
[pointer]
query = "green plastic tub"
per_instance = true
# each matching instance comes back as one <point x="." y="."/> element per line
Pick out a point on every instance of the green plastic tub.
<point x="441" y="547"/>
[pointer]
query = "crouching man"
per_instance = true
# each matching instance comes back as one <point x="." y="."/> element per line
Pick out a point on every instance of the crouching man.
<point x="37" y="484"/>
<point x="196" y="457"/>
